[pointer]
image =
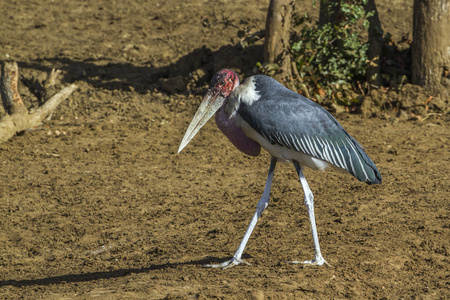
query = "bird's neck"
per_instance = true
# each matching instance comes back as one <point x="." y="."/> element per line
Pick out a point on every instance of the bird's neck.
<point x="246" y="93"/>
<point x="234" y="133"/>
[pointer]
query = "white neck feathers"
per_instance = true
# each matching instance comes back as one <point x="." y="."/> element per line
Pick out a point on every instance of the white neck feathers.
<point x="244" y="93"/>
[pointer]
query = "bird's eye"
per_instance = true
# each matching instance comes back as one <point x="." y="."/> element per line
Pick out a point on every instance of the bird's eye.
<point x="222" y="82"/>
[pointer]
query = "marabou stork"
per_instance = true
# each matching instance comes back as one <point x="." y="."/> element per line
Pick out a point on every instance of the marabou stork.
<point x="263" y="113"/>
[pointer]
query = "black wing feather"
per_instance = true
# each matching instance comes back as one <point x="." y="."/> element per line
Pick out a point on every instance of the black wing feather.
<point x="301" y="124"/>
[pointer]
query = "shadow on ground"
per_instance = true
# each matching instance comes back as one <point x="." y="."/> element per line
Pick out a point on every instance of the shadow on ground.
<point x="83" y="277"/>
<point x="195" y="68"/>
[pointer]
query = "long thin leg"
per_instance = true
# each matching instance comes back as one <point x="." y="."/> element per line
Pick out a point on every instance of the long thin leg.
<point x="262" y="204"/>
<point x="309" y="202"/>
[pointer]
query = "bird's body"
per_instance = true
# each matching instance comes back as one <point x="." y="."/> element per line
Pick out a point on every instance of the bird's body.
<point x="263" y="113"/>
<point x="291" y="127"/>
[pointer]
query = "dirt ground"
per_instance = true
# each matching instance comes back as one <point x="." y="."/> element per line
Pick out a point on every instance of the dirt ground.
<point x="98" y="204"/>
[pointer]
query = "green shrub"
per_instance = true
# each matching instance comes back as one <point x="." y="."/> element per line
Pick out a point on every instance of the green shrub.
<point x="332" y="58"/>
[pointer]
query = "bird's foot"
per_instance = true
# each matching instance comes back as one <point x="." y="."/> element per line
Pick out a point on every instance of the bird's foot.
<point x="318" y="261"/>
<point x="228" y="264"/>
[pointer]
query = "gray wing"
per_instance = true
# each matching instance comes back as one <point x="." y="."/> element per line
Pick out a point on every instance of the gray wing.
<point x="286" y="118"/>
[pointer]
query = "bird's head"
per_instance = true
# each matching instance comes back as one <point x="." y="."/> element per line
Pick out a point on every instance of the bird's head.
<point x="220" y="87"/>
<point x="223" y="83"/>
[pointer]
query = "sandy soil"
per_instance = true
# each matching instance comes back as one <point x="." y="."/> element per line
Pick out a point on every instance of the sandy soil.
<point x="97" y="203"/>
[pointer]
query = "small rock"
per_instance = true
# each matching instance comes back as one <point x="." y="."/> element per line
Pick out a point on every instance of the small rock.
<point x="392" y="95"/>
<point x="158" y="96"/>
<point x="257" y="295"/>
<point x="338" y="108"/>
<point x="128" y="47"/>
<point x="402" y="115"/>
<point x="368" y="107"/>
<point x="142" y="47"/>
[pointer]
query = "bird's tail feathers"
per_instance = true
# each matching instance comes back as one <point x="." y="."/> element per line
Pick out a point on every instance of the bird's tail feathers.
<point x="362" y="167"/>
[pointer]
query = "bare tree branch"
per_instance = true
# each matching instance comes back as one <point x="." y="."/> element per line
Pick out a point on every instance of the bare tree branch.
<point x="17" y="117"/>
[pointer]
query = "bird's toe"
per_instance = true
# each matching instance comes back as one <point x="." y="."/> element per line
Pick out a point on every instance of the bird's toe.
<point x="228" y="264"/>
<point x="318" y="261"/>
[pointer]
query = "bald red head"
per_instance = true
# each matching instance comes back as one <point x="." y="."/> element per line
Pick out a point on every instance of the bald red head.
<point x="224" y="82"/>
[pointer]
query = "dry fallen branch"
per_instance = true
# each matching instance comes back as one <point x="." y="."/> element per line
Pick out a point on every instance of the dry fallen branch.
<point x="17" y="117"/>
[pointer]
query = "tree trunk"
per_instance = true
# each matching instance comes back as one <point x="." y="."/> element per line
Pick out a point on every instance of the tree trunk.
<point x="277" y="46"/>
<point x="431" y="46"/>
<point x="373" y="74"/>
<point x="329" y="11"/>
